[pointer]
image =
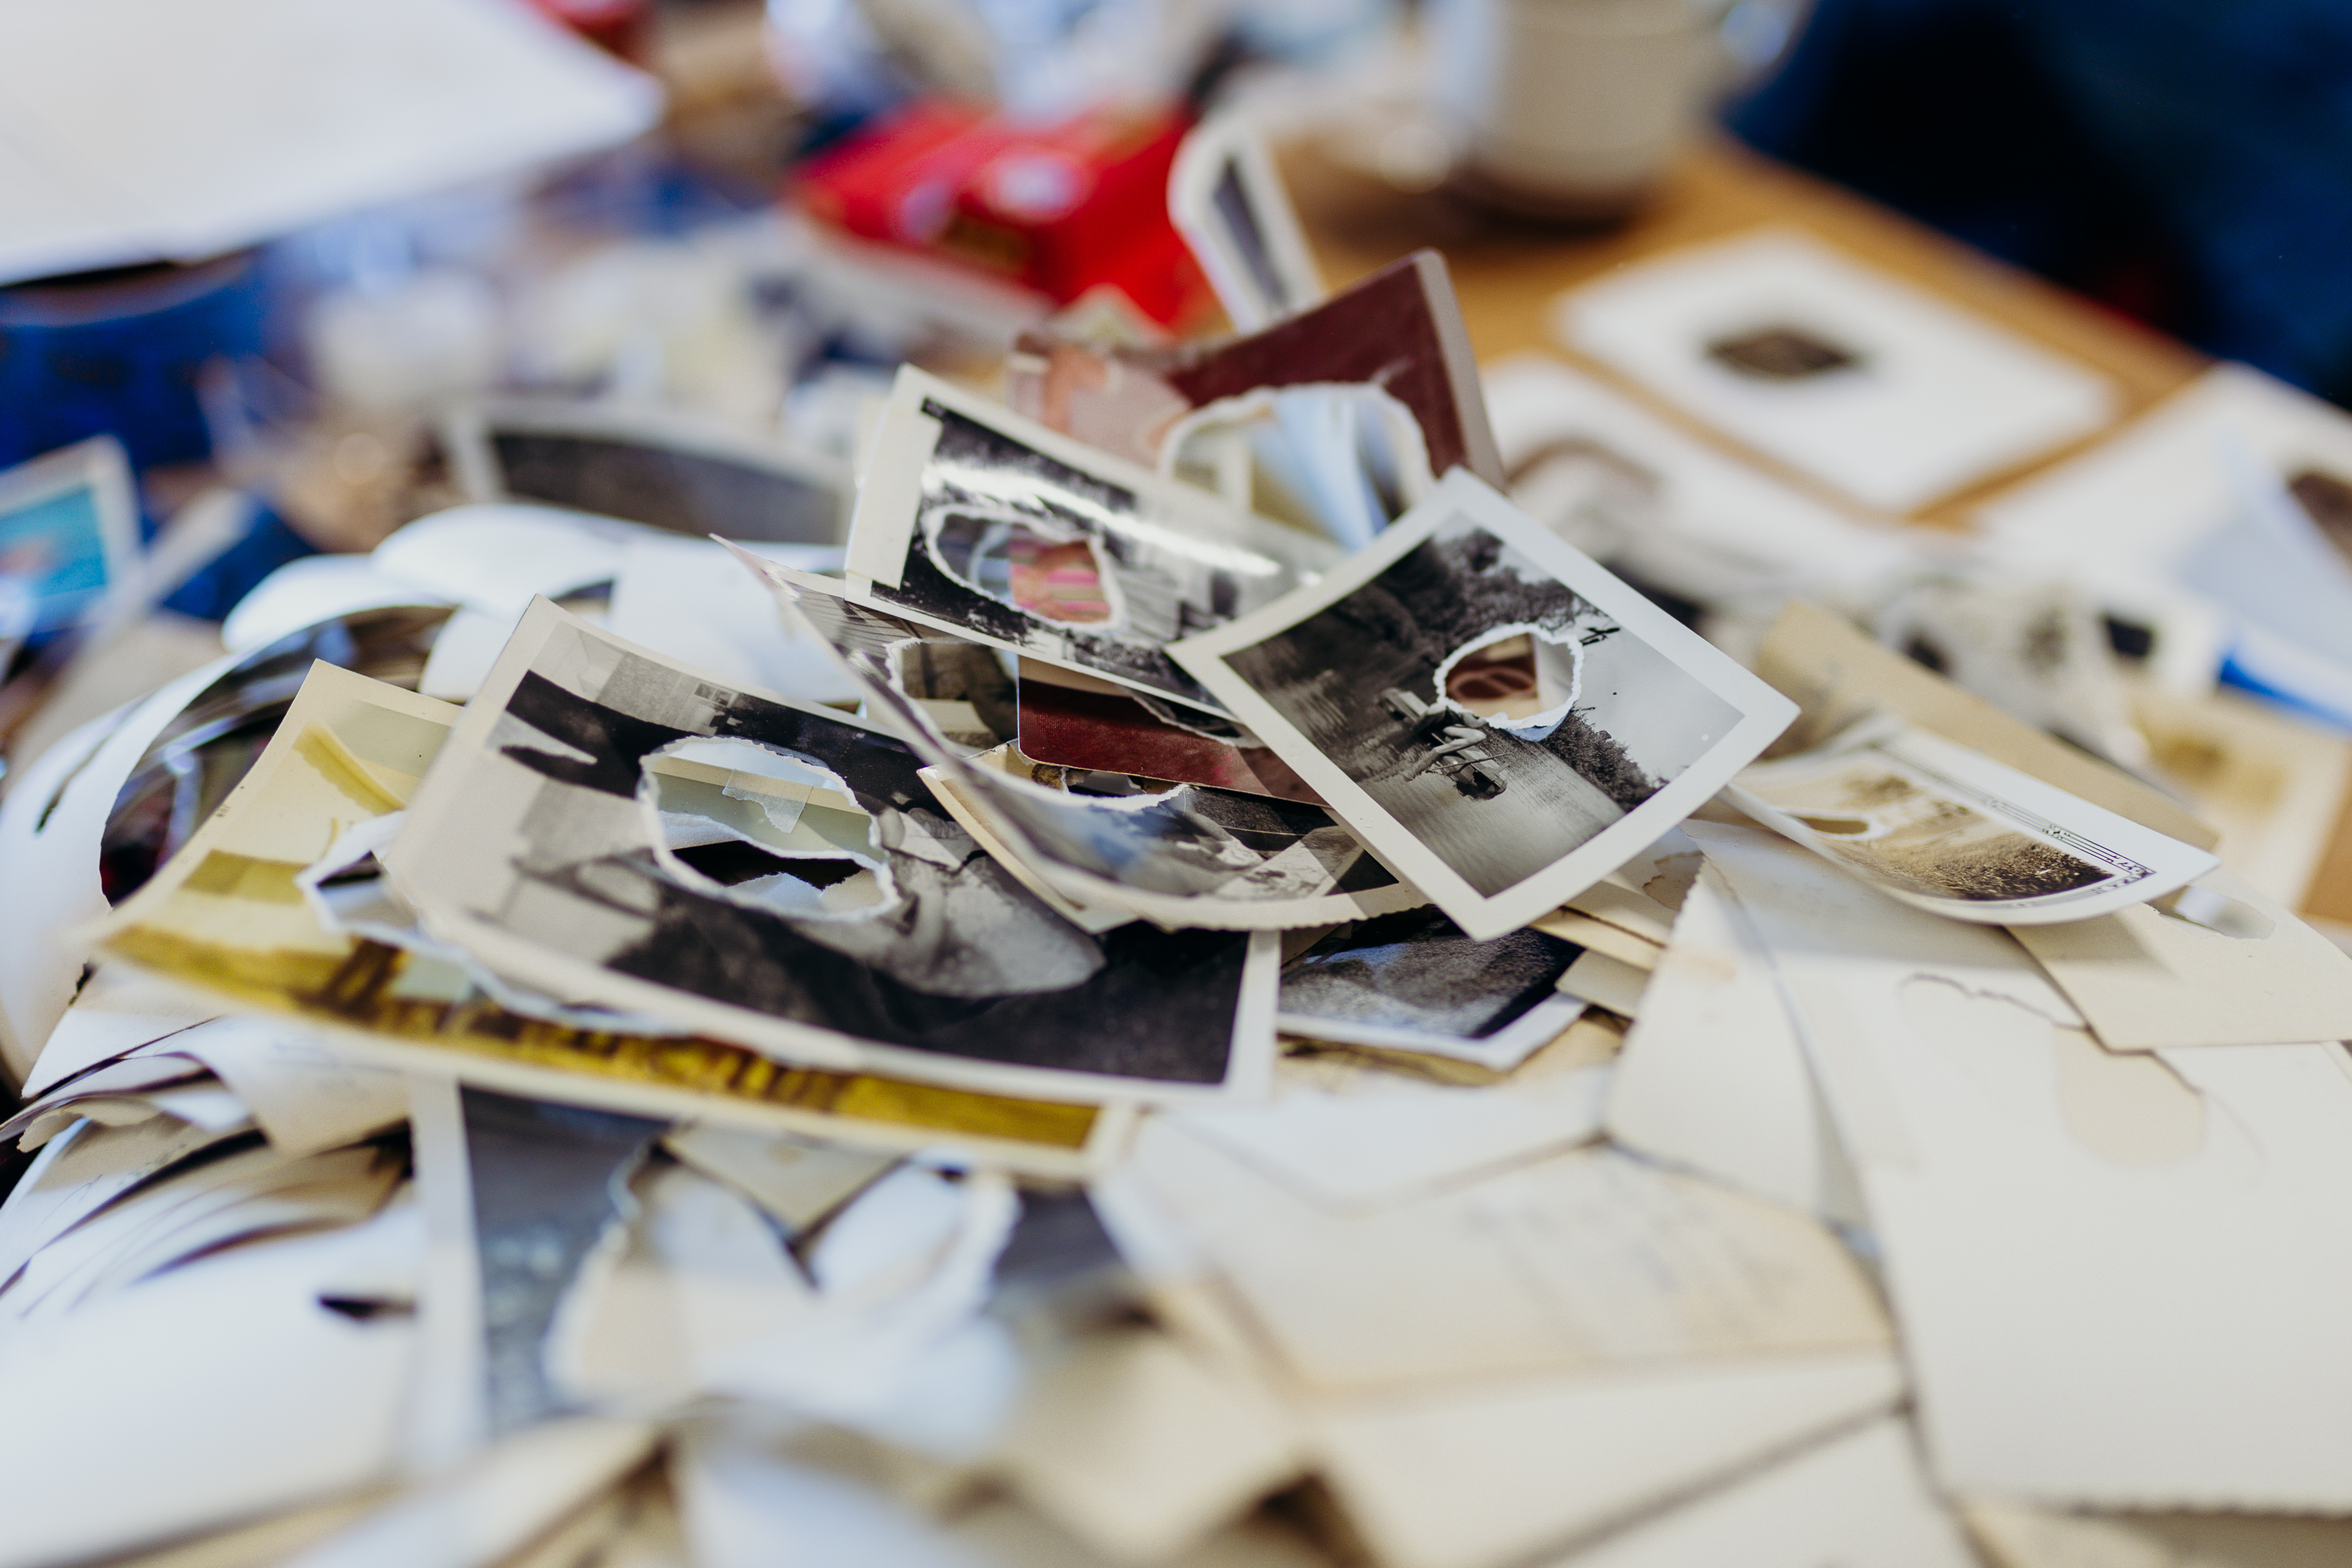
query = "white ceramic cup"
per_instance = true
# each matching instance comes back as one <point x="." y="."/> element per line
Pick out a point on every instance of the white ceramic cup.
<point x="1571" y="107"/>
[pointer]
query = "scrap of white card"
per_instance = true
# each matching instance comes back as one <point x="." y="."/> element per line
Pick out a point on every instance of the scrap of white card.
<point x="1855" y="377"/>
<point x="1858" y="1503"/>
<point x="2117" y="1275"/>
<point x="1713" y="1077"/>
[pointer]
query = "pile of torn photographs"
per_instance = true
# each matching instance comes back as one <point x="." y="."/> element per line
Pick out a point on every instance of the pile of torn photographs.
<point x="1207" y="991"/>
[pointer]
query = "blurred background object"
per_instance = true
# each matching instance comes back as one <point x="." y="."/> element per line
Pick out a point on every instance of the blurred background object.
<point x="2186" y="164"/>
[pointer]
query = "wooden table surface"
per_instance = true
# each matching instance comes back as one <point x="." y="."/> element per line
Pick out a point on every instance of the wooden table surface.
<point x="1508" y="274"/>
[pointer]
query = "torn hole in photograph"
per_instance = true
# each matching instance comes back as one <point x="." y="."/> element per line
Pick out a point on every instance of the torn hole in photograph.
<point x="760" y="828"/>
<point x="350" y="894"/>
<point x="1347" y="458"/>
<point x="1783" y="353"/>
<point x="1031" y="563"/>
<point x="1520" y="677"/>
<point x="2128" y="1109"/>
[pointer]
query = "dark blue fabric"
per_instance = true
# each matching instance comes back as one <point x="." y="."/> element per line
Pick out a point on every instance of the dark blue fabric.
<point x="2186" y="161"/>
<point x="228" y="577"/>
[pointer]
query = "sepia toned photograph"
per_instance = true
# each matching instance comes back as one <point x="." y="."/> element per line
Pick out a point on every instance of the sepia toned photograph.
<point x="1492" y="711"/>
<point x="1945" y="828"/>
<point x="982" y="523"/>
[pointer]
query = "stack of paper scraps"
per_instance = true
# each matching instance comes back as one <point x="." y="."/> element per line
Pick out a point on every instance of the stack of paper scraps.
<point x="1210" y="992"/>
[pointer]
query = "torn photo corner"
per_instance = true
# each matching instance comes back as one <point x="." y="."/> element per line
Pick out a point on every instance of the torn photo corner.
<point x="1182" y="856"/>
<point x="1495" y="715"/>
<point x="832" y="916"/>
<point x="1949" y="830"/>
<point x="976" y="520"/>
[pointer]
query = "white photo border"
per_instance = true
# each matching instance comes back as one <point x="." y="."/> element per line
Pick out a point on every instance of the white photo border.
<point x="1764" y="712"/>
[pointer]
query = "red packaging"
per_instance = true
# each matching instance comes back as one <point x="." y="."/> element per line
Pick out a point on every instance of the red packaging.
<point x="1061" y="207"/>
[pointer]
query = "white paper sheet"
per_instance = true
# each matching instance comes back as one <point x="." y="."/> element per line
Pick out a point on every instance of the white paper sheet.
<point x="1570" y="1262"/>
<point x="138" y="130"/>
<point x="116" y="1011"/>
<point x="1713" y="1076"/>
<point x="1607" y="982"/>
<point x="697" y="1272"/>
<point x="1485" y="1474"/>
<point x="745" y="1505"/>
<point x="2125" y="513"/>
<point x="1139" y="1449"/>
<point x="2118" y="1275"/>
<point x="82" y="1170"/>
<point x="315" y="588"/>
<point x="2220" y="965"/>
<point x="1859" y="1501"/>
<point x="688" y="599"/>
<point x="2014" y="1537"/>
<point x="1932" y="397"/>
<point x="1395" y="1138"/>
<point x="798" y="1182"/>
<point x="287" y="1401"/>
<point x="495" y="1505"/>
<point x="496" y="556"/>
<point x="50" y="828"/>
<point x="302" y="1094"/>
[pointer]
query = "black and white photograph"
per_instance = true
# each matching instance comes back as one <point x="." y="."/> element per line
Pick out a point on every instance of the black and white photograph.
<point x="1498" y="717"/>
<point x="837" y="916"/>
<point x="1950" y="831"/>
<point x="1179" y="854"/>
<point x="1412" y="981"/>
<point x="662" y="469"/>
<point x="979" y="521"/>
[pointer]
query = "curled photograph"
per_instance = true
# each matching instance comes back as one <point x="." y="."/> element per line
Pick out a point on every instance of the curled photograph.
<point x="1492" y="711"/>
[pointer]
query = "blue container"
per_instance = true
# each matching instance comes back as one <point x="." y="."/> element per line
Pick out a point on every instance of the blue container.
<point x="119" y="353"/>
